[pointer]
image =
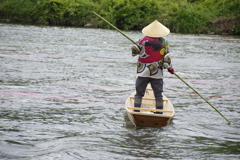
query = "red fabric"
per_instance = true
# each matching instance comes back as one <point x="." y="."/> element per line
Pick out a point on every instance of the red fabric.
<point x="155" y="55"/>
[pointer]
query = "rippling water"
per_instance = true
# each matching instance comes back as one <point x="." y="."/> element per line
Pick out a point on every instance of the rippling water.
<point x="62" y="94"/>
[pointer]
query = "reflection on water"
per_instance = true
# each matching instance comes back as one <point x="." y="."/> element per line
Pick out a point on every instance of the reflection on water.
<point x="62" y="94"/>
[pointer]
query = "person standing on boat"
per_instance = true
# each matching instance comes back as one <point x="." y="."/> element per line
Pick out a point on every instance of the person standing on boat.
<point x="153" y="57"/>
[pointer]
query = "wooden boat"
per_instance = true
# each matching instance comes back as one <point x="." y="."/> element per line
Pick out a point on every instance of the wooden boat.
<point x="146" y="116"/>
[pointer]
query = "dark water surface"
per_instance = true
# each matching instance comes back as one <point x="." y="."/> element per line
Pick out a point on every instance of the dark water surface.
<point x="62" y="94"/>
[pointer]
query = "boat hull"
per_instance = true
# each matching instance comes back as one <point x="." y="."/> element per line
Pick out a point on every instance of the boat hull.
<point x="146" y="116"/>
<point x="150" y="121"/>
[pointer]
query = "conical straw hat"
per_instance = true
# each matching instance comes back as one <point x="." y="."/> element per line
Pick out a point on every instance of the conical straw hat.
<point x="155" y="29"/>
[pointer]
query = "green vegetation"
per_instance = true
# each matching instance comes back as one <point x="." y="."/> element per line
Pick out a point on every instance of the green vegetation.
<point x="181" y="16"/>
<point x="129" y="14"/>
<point x="53" y="12"/>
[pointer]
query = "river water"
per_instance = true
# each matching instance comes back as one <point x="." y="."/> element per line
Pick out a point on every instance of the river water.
<point x="63" y="89"/>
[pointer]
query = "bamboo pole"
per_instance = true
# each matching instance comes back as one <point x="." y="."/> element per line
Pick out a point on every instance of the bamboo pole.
<point x="202" y="97"/>
<point x="174" y="73"/>
<point x="115" y="27"/>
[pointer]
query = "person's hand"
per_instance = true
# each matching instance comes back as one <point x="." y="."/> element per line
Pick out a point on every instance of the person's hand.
<point x="136" y="49"/>
<point x="171" y="71"/>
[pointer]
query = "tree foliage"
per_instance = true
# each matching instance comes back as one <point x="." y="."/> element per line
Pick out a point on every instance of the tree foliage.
<point x="129" y="14"/>
<point x="182" y="16"/>
<point x="54" y="12"/>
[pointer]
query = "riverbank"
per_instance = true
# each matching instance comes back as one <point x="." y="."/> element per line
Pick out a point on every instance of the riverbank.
<point x="192" y="16"/>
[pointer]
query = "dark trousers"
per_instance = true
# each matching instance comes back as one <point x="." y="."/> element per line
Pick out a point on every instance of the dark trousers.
<point x="141" y="85"/>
